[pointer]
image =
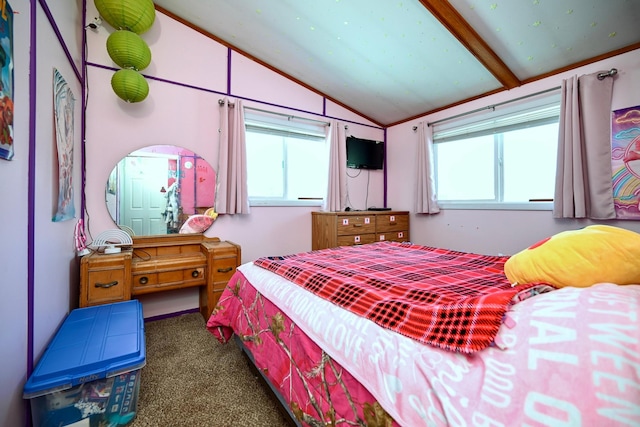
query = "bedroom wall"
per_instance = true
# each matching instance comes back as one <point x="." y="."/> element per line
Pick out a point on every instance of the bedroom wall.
<point x="40" y="269"/>
<point x="187" y="77"/>
<point x="496" y="231"/>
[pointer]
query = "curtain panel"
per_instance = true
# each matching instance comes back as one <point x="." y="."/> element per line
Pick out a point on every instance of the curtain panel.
<point x="583" y="174"/>
<point x="337" y="180"/>
<point x="425" y="200"/>
<point x="232" y="196"/>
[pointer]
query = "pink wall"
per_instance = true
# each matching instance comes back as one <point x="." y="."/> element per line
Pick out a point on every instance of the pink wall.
<point x="186" y="114"/>
<point x="39" y="283"/>
<point x="189" y="116"/>
<point x="493" y="231"/>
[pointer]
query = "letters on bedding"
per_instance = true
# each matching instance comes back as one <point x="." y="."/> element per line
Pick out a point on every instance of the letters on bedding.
<point x="453" y="300"/>
<point x="567" y="357"/>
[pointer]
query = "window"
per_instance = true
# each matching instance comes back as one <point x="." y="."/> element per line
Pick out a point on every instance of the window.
<point x="502" y="162"/>
<point x="287" y="161"/>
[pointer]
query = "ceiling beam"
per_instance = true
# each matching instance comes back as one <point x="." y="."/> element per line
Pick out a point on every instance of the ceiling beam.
<point x="461" y="30"/>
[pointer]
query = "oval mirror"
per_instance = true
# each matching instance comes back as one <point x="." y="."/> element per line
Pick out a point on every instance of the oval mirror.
<point x="161" y="189"/>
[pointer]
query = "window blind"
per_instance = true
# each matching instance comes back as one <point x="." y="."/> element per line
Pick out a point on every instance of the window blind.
<point x="283" y="126"/>
<point x="497" y="122"/>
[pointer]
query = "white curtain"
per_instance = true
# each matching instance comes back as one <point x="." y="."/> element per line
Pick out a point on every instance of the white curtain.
<point x="425" y="198"/>
<point x="337" y="182"/>
<point x="583" y="175"/>
<point x="232" y="196"/>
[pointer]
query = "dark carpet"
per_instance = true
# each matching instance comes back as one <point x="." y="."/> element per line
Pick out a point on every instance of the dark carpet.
<point x="190" y="379"/>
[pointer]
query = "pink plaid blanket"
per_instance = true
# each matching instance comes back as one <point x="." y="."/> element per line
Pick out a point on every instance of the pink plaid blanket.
<point x="450" y="299"/>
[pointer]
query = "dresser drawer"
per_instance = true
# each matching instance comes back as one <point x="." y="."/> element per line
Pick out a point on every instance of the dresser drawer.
<point x="393" y="236"/>
<point x="352" y="224"/>
<point x="392" y="222"/>
<point x="356" y="239"/>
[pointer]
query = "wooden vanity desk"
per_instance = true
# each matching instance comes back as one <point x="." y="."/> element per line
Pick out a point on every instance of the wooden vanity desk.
<point x="157" y="264"/>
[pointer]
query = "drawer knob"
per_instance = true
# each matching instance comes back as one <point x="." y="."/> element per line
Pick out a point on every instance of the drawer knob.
<point x="106" y="285"/>
<point x="225" y="270"/>
<point x="195" y="273"/>
<point x="143" y="280"/>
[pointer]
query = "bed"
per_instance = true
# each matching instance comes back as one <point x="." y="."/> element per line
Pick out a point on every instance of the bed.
<point x="335" y="336"/>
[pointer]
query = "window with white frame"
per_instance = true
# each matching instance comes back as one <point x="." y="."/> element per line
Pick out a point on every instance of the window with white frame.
<point x="287" y="160"/>
<point x="502" y="160"/>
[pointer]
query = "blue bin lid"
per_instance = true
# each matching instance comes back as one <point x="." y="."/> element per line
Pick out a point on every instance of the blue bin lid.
<point x="92" y="343"/>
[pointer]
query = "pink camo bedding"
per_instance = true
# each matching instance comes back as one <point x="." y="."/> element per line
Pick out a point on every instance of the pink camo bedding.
<point x="317" y="388"/>
<point x="570" y="357"/>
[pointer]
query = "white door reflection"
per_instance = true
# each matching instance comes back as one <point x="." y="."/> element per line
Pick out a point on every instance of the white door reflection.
<point x="154" y="190"/>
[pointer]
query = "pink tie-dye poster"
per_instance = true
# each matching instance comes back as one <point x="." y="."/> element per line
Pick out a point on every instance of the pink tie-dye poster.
<point x="625" y="162"/>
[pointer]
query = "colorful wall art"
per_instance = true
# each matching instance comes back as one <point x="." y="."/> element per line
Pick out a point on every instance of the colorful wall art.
<point x="625" y="162"/>
<point x="6" y="81"/>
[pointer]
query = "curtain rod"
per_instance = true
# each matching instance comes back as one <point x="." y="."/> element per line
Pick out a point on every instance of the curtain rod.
<point x="493" y="106"/>
<point x="601" y="76"/>
<point x="288" y="116"/>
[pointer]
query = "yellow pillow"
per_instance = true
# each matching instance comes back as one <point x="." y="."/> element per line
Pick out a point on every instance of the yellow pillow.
<point x="579" y="258"/>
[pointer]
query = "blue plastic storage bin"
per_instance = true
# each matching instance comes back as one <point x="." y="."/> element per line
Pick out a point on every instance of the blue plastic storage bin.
<point x="90" y="372"/>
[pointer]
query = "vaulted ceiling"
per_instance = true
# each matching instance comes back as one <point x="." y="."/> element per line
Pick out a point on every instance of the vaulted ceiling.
<point x="394" y="60"/>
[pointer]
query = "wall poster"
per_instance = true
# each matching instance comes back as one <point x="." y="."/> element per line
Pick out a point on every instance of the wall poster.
<point x="63" y="109"/>
<point x="625" y="162"/>
<point x="6" y="81"/>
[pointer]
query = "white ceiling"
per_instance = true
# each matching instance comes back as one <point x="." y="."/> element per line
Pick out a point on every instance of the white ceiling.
<point x="395" y="60"/>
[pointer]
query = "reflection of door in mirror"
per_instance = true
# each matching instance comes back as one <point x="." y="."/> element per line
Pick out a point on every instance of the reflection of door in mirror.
<point x="155" y="189"/>
<point x="142" y="202"/>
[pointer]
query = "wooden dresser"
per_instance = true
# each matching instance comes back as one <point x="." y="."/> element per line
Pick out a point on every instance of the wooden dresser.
<point x="157" y="264"/>
<point x="331" y="229"/>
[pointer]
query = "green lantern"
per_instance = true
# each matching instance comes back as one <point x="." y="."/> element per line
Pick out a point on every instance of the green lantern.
<point x="130" y="85"/>
<point x="132" y="15"/>
<point x="128" y="50"/>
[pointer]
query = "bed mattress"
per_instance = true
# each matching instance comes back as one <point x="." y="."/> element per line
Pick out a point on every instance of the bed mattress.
<point x="567" y="357"/>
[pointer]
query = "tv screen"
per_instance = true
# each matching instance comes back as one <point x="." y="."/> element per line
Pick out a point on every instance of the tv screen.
<point x="364" y="153"/>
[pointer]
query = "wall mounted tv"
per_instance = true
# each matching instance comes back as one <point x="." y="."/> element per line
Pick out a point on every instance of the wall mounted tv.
<point x="364" y="153"/>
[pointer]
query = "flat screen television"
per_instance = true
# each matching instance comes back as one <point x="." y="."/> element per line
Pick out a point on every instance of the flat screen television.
<point x="364" y="153"/>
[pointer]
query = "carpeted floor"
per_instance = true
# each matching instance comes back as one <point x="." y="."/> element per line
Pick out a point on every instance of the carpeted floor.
<point x="192" y="380"/>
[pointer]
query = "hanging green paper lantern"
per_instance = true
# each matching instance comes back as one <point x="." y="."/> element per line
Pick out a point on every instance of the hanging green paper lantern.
<point x="132" y="15"/>
<point x="128" y="50"/>
<point x="130" y="85"/>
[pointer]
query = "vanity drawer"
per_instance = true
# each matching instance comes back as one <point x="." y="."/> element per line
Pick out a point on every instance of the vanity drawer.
<point x="106" y="286"/>
<point x="224" y="258"/>
<point x="223" y="269"/>
<point x="174" y="272"/>
<point x="104" y="279"/>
